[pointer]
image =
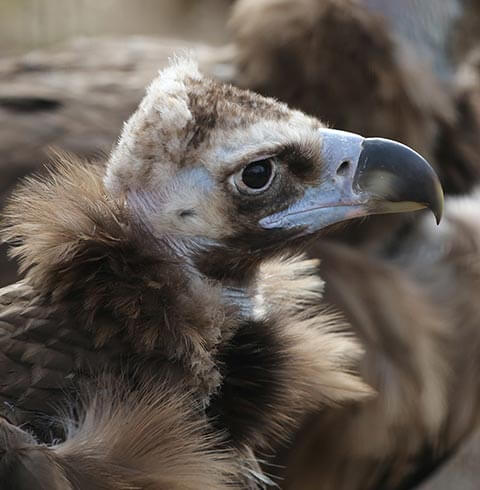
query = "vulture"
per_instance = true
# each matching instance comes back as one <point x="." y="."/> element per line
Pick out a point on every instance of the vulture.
<point x="349" y="64"/>
<point x="167" y="334"/>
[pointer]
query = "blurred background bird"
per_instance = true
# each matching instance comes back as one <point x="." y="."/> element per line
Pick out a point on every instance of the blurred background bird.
<point x="409" y="71"/>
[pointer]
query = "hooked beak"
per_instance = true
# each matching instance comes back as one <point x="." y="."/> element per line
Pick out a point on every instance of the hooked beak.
<point x="362" y="176"/>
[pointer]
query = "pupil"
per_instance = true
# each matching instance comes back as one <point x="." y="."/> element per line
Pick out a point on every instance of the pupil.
<point x="256" y="175"/>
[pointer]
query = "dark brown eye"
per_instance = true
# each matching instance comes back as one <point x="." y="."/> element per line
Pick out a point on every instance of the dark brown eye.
<point x="256" y="176"/>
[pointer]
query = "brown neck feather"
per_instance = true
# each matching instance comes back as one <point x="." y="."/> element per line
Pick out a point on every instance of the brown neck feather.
<point x="80" y="250"/>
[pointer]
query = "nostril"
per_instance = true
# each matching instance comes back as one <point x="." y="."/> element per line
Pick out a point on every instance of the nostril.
<point x="186" y="213"/>
<point x="343" y="168"/>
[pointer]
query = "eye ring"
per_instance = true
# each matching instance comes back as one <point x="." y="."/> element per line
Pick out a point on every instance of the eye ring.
<point x="256" y="177"/>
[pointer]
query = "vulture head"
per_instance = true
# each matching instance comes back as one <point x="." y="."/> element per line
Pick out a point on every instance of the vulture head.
<point x="228" y="177"/>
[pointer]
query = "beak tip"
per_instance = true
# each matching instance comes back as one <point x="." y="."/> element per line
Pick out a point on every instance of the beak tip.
<point x="414" y="180"/>
<point x="438" y="203"/>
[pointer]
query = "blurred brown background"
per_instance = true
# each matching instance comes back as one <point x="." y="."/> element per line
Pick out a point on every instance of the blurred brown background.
<point x="30" y="24"/>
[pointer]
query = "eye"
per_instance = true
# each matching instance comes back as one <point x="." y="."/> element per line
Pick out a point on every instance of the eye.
<point x="256" y="176"/>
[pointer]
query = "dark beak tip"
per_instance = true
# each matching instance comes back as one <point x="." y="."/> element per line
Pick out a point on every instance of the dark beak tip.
<point x="437" y="203"/>
<point x="416" y="181"/>
<point x="437" y="206"/>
